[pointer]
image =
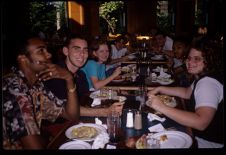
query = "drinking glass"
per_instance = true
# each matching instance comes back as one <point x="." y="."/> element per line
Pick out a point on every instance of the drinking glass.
<point x="113" y="125"/>
<point x="152" y="143"/>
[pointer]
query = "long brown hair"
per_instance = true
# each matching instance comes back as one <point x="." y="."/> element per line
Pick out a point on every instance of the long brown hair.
<point x="95" y="45"/>
<point x="212" y="54"/>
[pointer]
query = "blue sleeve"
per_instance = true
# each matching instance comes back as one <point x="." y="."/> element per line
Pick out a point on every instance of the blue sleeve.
<point x="90" y="69"/>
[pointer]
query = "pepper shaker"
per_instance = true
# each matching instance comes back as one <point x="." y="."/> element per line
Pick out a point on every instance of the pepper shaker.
<point x="138" y="120"/>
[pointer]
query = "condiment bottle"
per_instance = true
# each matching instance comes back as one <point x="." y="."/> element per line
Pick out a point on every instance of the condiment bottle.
<point x="138" y="120"/>
<point x="129" y="119"/>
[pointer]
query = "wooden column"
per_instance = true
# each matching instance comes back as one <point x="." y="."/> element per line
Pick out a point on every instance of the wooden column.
<point x="84" y="17"/>
<point x="141" y="16"/>
<point x="92" y="22"/>
<point x="215" y="17"/>
<point x="185" y="16"/>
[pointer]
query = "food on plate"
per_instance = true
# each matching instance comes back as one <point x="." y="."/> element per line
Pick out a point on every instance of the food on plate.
<point x="163" y="138"/>
<point x="166" y="99"/>
<point x="84" y="132"/>
<point x="164" y="79"/>
<point x="141" y="142"/>
<point x="125" y="69"/>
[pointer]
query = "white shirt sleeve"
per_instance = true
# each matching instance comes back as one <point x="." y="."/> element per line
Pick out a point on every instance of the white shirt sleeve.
<point x="168" y="44"/>
<point x="208" y="92"/>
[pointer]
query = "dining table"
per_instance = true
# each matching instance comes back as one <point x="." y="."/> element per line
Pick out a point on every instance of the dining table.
<point x="125" y="134"/>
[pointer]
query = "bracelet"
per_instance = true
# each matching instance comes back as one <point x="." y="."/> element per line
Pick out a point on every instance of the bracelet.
<point x="72" y="90"/>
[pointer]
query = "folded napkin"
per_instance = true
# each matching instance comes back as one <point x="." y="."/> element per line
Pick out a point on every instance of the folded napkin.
<point x="99" y="122"/>
<point x="96" y="101"/>
<point x="163" y="74"/>
<point x="152" y="117"/>
<point x="156" y="128"/>
<point x="154" y="76"/>
<point x="110" y="146"/>
<point x="100" y="141"/>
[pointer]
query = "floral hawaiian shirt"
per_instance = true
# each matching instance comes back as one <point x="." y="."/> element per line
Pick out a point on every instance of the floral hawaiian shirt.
<point x="24" y="108"/>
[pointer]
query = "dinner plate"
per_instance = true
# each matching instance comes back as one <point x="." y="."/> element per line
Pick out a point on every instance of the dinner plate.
<point x="157" y="58"/>
<point x="165" y="82"/>
<point x="120" y="98"/>
<point x="165" y="98"/>
<point x="131" y="56"/>
<point x="158" y="70"/>
<point x="119" y="80"/>
<point x="173" y="139"/>
<point x="99" y="129"/>
<point x="77" y="145"/>
<point x="96" y="94"/>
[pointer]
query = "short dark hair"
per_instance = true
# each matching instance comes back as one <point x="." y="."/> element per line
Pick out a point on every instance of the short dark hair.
<point x="121" y="39"/>
<point x="22" y="47"/>
<point x="74" y="36"/>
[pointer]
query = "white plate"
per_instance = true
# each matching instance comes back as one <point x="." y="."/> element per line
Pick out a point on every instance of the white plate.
<point x="77" y="145"/>
<point x="158" y="70"/>
<point x="163" y="82"/>
<point x="157" y="58"/>
<point x="99" y="129"/>
<point x="120" y="98"/>
<point x="96" y="94"/>
<point x="131" y="56"/>
<point x="172" y="103"/>
<point x="119" y="80"/>
<point x="175" y="139"/>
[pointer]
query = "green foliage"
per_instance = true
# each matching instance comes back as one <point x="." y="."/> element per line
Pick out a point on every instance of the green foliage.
<point x="110" y="11"/>
<point x="43" y="15"/>
<point x="164" y="21"/>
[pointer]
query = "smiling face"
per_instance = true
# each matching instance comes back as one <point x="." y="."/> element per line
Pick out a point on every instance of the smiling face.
<point x="102" y="53"/>
<point x="76" y="54"/>
<point x="37" y="54"/>
<point x="195" y="62"/>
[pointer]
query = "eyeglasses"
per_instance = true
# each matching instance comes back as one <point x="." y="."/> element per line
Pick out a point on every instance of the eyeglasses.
<point x="195" y="59"/>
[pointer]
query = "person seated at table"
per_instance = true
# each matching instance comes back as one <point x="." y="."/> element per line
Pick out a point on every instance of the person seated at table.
<point x="27" y="102"/>
<point x="205" y="109"/>
<point x="176" y="63"/>
<point x="75" y="50"/>
<point x="162" y="44"/>
<point x="118" y="54"/>
<point x="95" y="67"/>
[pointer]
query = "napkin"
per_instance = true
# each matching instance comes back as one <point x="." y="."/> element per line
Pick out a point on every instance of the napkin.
<point x="156" y="128"/>
<point x="163" y="74"/>
<point x="154" y="76"/>
<point x="100" y="141"/>
<point x="96" y="101"/>
<point x="99" y="122"/>
<point x="152" y="117"/>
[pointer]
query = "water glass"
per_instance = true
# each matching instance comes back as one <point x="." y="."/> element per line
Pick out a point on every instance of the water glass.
<point x="113" y="125"/>
<point x="152" y="143"/>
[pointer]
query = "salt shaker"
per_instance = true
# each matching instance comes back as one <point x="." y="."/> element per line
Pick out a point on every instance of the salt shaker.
<point x="129" y="119"/>
<point x="138" y="120"/>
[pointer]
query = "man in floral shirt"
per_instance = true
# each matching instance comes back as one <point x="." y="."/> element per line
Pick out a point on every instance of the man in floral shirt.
<point x="26" y="101"/>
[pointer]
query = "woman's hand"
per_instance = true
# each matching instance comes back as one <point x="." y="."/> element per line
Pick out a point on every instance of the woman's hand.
<point x="117" y="72"/>
<point x="154" y="91"/>
<point x="154" y="102"/>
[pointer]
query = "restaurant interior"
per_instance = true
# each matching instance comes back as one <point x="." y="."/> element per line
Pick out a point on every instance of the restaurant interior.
<point x="143" y="72"/>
